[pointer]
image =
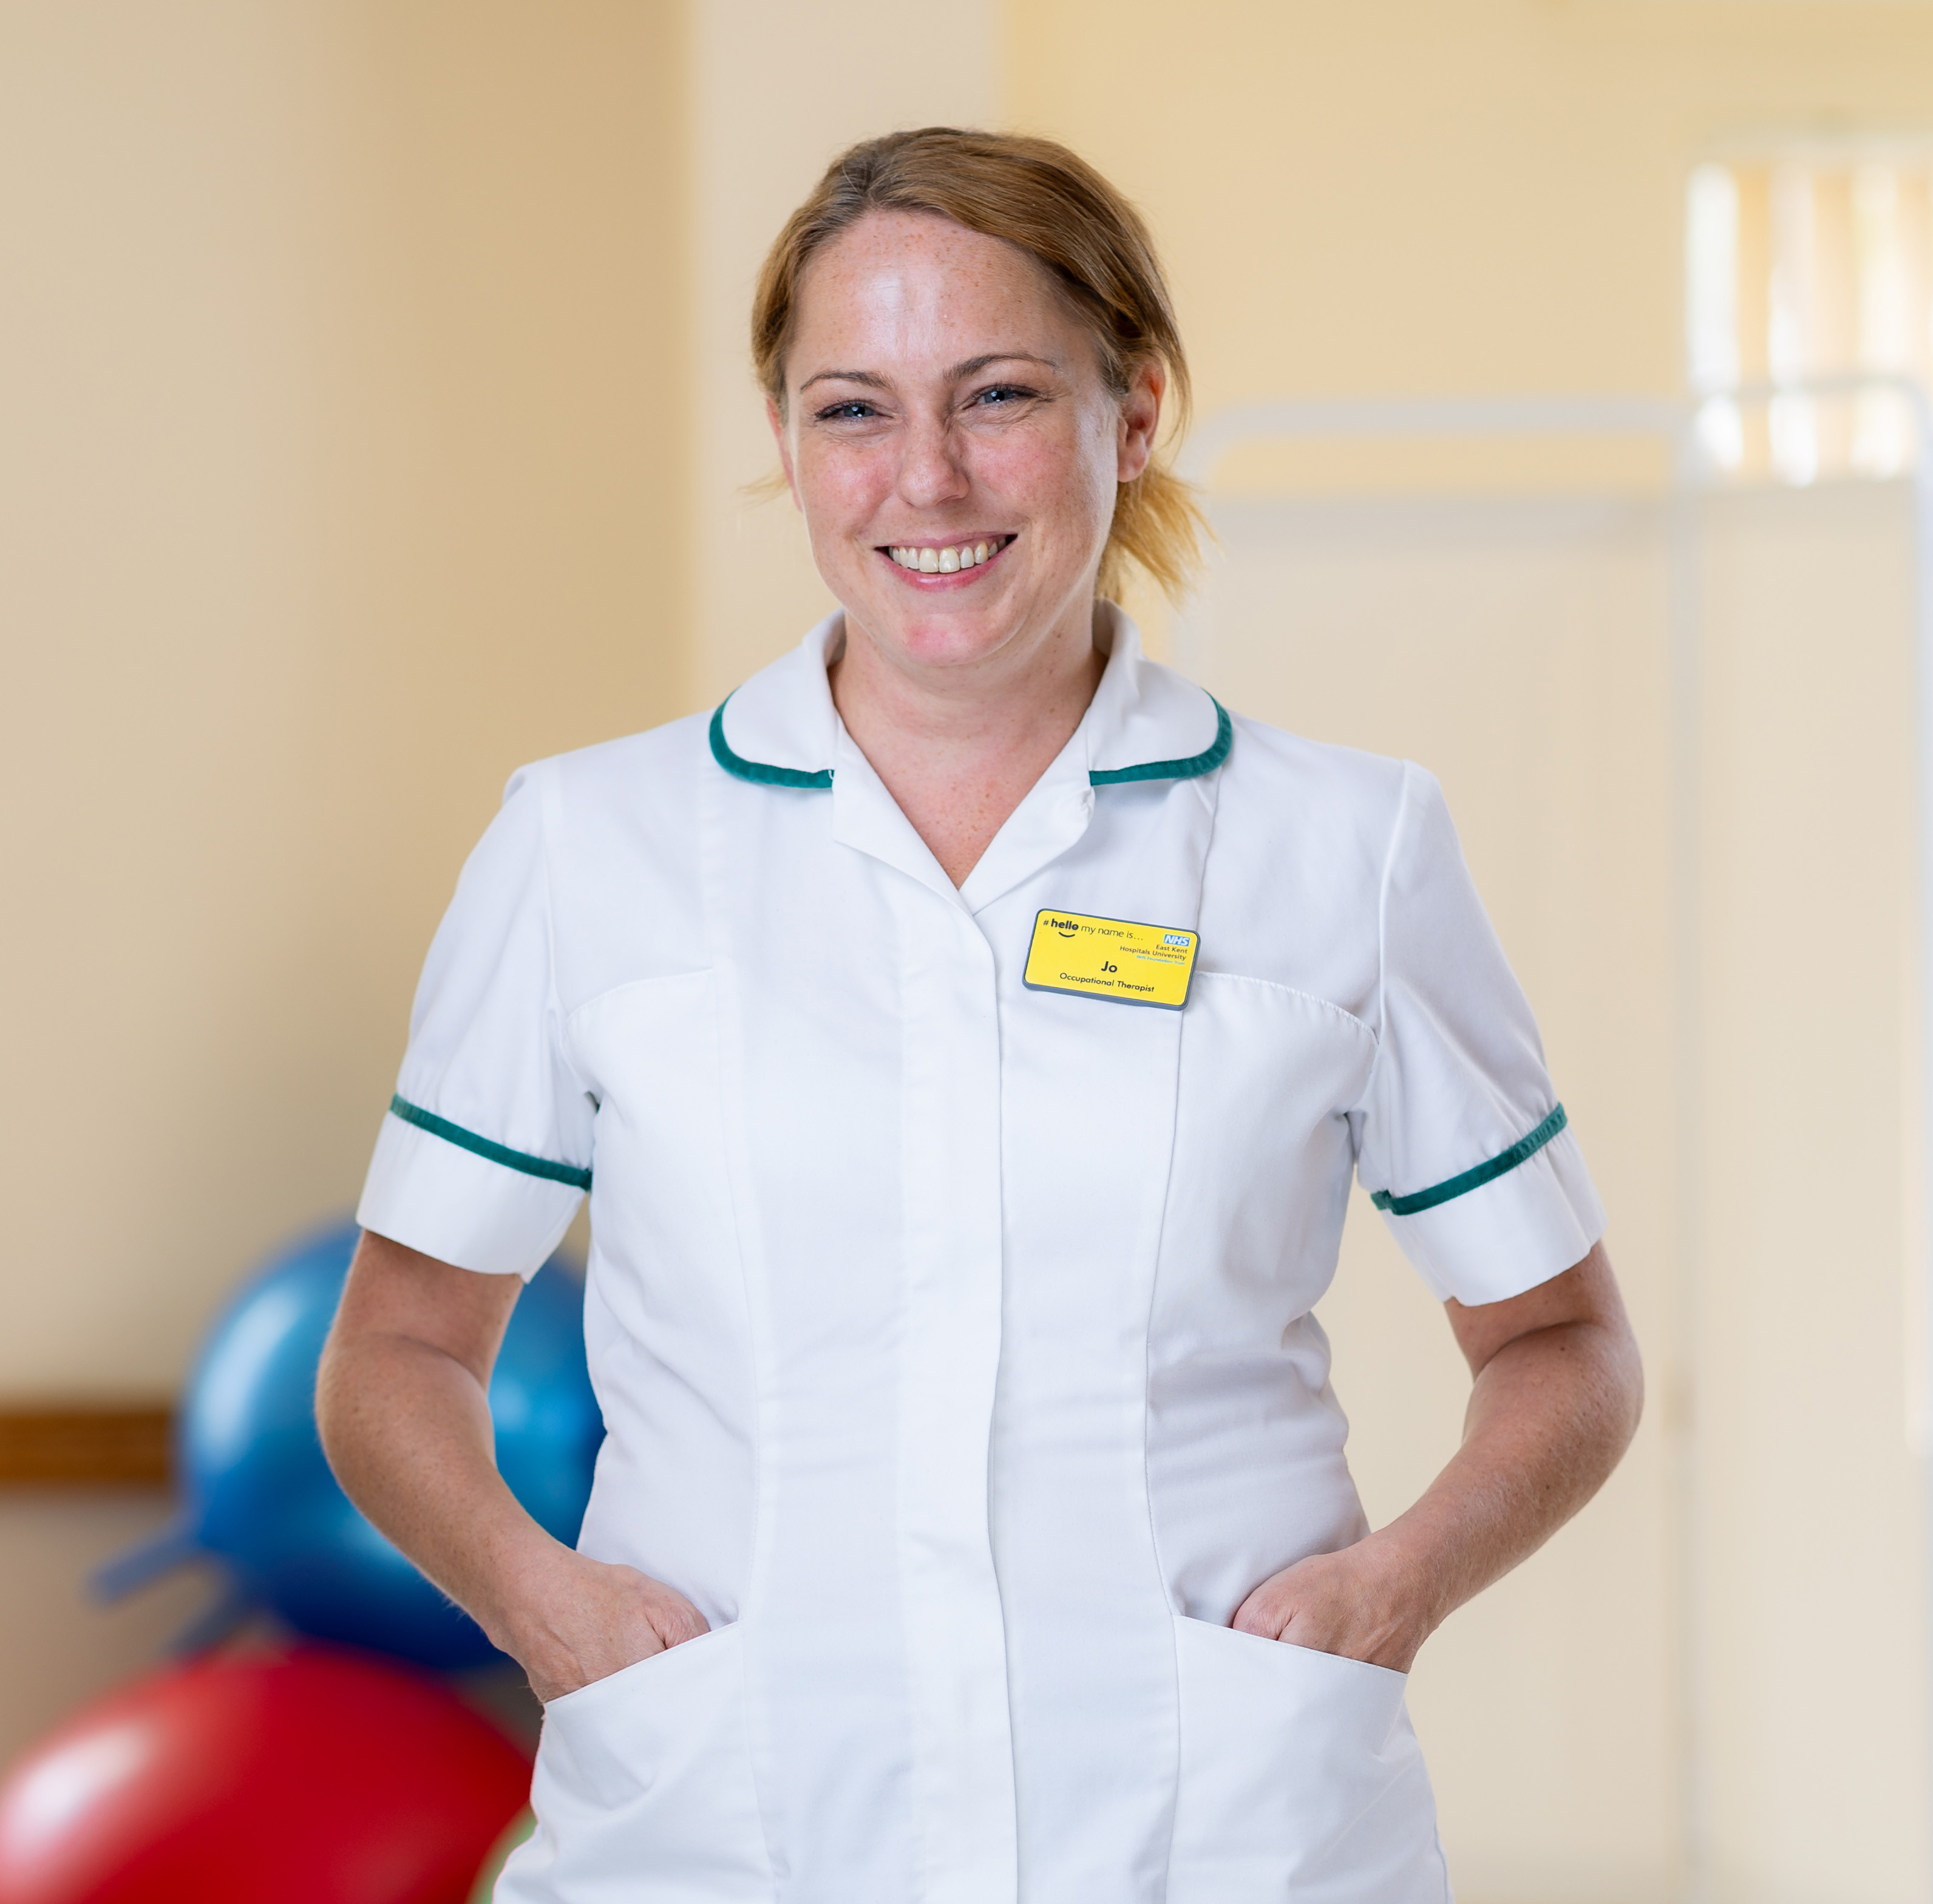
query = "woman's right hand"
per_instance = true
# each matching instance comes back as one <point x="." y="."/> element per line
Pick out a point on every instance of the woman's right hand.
<point x="403" y="1404"/>
<point x="580" y="1620"/>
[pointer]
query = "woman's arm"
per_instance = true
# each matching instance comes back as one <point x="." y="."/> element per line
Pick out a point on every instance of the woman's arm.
<point x="1558" y="1388"/>
<point x="402" y="1402"/>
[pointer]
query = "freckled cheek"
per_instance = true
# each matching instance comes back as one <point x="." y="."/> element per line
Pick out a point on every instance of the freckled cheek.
<point x="843" y="490"/>
<point x="1042" y="478"/>
<point x="1054" y="483"/>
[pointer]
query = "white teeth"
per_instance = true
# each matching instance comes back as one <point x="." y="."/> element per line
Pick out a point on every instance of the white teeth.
<point x="945" y="561"/>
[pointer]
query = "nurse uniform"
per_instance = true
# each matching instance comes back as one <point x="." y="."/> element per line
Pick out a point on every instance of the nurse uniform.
<point x="954" y="1338"/>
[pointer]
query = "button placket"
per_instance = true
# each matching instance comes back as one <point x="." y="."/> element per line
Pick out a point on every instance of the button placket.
<point x="963" y="1777"/>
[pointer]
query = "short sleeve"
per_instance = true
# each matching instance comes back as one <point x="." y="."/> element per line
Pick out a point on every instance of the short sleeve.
<point x="485" y="1152"/>
<point x="1463" y="1145"/>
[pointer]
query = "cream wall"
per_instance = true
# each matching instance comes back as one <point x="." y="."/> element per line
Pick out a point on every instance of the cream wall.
<point x="1407" y="195"/>
<point x="343" y="428"/>
<point x="1811" y="1667"/>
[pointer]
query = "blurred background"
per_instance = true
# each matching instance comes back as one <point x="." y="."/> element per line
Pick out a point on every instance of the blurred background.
<point x="375" y="416"/>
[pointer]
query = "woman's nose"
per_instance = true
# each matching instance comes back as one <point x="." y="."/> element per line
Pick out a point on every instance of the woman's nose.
<point x="931" y="471"/>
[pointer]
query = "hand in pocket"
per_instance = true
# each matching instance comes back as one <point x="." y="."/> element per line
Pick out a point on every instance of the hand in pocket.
<point x="585" y="1619"/>
<point x="1350" y="1603"/>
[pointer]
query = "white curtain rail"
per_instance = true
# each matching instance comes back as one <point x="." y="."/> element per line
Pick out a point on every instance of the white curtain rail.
<point x="1421" y="418"/>
<point x="1341" y="418"/>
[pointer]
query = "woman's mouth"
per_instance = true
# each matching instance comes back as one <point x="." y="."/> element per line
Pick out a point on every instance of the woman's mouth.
<point x="948" y="559"/>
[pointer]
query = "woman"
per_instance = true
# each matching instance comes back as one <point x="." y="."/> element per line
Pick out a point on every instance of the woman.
<point x="973" y="1521"/>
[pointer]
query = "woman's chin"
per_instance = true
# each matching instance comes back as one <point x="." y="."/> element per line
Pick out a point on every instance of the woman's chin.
<point x="941" y="636"/>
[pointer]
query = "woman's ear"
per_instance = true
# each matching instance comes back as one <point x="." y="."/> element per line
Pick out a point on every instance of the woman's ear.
<point x="776" y="423"/>
<point x="1141" y="418"/>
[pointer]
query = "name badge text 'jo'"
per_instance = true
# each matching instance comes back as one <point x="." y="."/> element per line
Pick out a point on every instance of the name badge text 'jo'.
<point x="1118" y="960"/>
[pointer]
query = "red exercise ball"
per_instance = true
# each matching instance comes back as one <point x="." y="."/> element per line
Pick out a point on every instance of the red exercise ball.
<point x="315" y="1775"/>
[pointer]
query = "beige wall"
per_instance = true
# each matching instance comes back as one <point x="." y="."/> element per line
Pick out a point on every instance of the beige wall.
<point x="1403" y="196"/>
<point x="342" y="356"/>
<point x="1810" y="1664"/>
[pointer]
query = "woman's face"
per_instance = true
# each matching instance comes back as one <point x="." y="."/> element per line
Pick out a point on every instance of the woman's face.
<point x="951" y="443"/>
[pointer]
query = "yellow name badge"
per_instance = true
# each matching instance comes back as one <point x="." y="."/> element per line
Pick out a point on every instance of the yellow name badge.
<point x="1115" y="959"/>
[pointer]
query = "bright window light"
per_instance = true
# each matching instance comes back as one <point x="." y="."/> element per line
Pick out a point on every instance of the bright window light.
<point x="1802" y="265"/>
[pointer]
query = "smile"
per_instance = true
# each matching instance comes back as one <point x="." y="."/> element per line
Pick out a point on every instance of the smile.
<point x="949" y="561"/>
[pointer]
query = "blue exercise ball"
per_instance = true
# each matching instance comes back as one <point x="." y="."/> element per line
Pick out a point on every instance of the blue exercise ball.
<point x="259" y="1496"/>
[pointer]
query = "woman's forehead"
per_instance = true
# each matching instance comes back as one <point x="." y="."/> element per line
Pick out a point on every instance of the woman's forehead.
<point x="900" y="284"/>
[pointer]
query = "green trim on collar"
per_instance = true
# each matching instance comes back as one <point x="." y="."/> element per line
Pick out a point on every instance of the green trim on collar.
<point x="1205" y="762"/>
<point x="1520" y="1152"/>
<point x="468" y="1140"/>
<point x="756" y="770"/>
<point x="760" y="774"/>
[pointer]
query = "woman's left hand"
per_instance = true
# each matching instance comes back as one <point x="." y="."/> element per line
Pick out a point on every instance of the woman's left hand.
<point x="1557" y="1387"/>
<point x="1353" y="1603"/>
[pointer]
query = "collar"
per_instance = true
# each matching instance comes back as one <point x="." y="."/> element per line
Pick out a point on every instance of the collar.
<point x="1145" y="722"/>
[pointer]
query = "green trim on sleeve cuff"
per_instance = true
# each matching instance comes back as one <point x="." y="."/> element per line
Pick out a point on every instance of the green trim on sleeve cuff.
<point x="1502" y="1164"/>
<point x="1206" y="761"/>
<point x="468" y="1140"/>
<point x="758" y="772"/>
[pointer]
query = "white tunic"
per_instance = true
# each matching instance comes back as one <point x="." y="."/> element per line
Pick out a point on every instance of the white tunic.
<point x="955" y="1339"/>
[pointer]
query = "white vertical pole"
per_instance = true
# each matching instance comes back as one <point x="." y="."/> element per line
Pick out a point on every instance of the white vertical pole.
<point x="1922" y="612"/>
<point x="1685" y="1402"/>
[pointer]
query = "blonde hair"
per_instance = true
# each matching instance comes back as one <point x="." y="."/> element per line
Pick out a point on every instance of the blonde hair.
<point x="1055" y="206"/>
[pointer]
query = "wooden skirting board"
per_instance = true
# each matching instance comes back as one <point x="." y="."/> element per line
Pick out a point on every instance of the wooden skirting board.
<point x="73" y="1446"/>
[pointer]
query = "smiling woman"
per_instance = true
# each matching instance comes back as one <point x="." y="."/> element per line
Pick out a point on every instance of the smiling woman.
<point x="1065" y="220"/>
<point x="963" y="673"/>
<point x="966" y="1035"/>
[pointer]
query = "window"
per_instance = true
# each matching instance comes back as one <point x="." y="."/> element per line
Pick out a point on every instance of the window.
<point x="1812" y="265"/>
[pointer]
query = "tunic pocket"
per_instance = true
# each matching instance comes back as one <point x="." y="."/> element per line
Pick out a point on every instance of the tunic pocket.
<point x="643" y="1788"/>
<point x="1301" y="1781"/>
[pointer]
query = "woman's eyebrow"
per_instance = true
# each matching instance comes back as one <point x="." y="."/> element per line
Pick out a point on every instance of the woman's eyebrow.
<point x="865" y="376"/>
<point x="973" y="365"/>
<point x="968" y="369"/>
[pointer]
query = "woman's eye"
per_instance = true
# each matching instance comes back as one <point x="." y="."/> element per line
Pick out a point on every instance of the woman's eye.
<point x="856" y="411"/>
<point x="999" y="393"/>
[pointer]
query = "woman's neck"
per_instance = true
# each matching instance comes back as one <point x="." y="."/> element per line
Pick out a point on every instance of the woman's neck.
<point x="960" y="748"/>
